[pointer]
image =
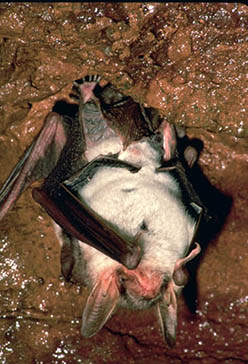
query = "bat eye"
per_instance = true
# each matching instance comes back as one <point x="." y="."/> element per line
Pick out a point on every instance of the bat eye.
<point x="122" y="277"/>
<point x="122" y="280"/>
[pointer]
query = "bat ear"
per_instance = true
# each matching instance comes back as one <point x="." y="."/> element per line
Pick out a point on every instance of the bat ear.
<point x="170" y="134"/>
<point x="190" y="154"/>
<point x="167" y="313"/>
<point x="100" y="305"/>
<point x="169" y="140"/>
<point x="179" y="275"/>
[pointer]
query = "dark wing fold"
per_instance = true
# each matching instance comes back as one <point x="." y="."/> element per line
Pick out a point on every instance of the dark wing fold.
<point x="78" y="219"/>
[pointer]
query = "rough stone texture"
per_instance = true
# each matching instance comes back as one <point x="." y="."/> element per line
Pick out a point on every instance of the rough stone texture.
<point x="189" y="60"/>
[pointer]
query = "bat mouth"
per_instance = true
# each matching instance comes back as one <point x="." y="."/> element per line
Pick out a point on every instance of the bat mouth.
<point x="139" y="303"/>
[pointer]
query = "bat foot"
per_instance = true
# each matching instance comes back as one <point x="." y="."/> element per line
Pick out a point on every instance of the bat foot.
<point x="88" y="78"/>
<point x="84" y="87"/>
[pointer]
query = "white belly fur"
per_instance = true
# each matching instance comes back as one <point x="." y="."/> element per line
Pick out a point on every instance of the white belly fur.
<point x="153" y="198"/>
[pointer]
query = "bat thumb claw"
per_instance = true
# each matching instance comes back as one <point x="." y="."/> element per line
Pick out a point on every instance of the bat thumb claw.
<point x="132" y="259"/>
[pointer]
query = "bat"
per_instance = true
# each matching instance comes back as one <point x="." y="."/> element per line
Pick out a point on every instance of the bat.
<point x="119" y="190"/>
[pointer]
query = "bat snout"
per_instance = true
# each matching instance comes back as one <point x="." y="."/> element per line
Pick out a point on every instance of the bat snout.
<point x="140" y="283"/>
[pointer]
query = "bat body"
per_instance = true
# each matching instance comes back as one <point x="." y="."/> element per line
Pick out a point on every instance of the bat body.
<point x="146" y="204"/>
<point x="124" y="185"/>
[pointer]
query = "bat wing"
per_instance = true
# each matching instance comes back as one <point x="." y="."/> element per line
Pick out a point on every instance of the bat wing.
<point x="179" y="163"/>
<point x="37" y="162"/>
<point x="55" y="155"/>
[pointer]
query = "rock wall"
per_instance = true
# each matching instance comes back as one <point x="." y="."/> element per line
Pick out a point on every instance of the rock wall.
<point x="189" y="60"/>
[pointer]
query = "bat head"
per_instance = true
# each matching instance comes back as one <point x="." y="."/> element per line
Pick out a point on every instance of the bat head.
<point x="137" y="289"/>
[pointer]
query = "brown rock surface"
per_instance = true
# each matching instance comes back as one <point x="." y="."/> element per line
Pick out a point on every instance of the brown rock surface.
<point x="190" y="60"/>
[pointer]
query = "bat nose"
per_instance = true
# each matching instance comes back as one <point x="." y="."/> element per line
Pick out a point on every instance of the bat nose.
<point x="140" y="283"/>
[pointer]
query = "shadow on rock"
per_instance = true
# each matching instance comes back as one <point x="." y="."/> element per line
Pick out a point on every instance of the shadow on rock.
<point x="218" y="207"/>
